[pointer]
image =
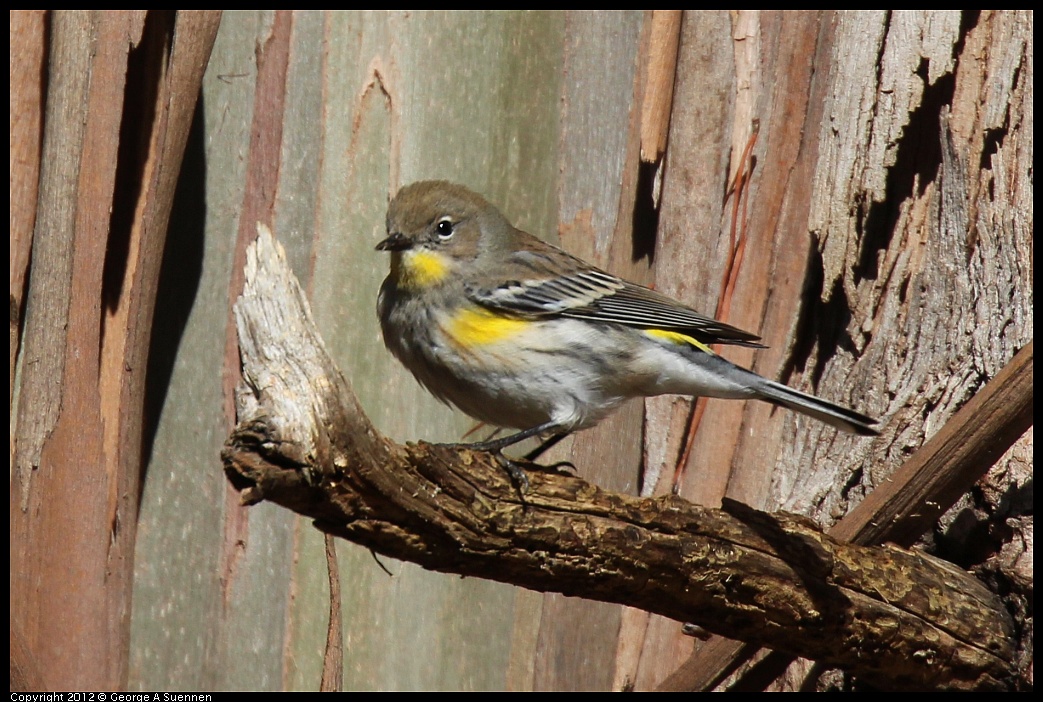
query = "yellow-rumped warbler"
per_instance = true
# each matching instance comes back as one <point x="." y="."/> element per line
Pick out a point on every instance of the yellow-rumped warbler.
<point x="518" y="333"/>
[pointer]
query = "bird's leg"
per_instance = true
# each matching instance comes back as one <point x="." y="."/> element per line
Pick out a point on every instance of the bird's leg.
<point x="497" y="445"/>
<point x="514" y="469"/>
<point x="547" y="445"/>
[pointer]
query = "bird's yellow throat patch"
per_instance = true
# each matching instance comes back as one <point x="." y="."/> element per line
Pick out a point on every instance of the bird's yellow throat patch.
<point x="473" y="327"/>
<point x="418" y="269"/>
<point x="678" y="338"/>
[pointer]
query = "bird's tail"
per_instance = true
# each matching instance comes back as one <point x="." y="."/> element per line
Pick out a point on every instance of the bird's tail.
<point x="840" y="417"/>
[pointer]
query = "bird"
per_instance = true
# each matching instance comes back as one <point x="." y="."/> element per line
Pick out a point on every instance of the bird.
<point x="520" y="334"/>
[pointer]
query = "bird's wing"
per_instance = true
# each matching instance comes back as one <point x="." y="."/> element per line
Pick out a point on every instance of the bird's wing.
<point x="589" y="293"/>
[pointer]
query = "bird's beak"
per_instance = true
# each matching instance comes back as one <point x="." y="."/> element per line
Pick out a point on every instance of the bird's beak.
<point x="395" y="242"/>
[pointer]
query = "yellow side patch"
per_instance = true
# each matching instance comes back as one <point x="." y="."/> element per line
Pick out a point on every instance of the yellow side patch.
<point x="421" y="269"/>
<point x="678" y="338"/>
<point x="477" y="327"/>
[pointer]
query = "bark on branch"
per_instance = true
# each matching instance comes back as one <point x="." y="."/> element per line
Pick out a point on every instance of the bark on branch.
<point x="904" y="618"/>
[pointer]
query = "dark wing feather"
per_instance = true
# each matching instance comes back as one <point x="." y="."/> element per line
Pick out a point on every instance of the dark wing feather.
<point x="637" y="306"/>
<point x="589" y="293"/>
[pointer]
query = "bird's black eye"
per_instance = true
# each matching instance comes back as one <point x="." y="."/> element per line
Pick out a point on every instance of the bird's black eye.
<point x="444" y="228"/>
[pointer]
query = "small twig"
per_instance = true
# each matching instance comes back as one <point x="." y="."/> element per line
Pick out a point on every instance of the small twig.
<point x="333" y="659"/>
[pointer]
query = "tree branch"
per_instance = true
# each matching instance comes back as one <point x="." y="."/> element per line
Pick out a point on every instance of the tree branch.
<point x="303" y="442"/>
